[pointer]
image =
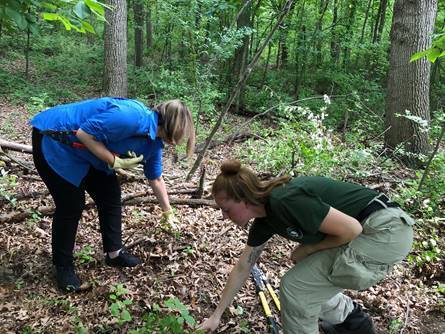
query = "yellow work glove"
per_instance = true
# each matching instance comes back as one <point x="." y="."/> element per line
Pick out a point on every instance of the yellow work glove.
<point x="169" y="220"/>
<point x="127" y="163"/>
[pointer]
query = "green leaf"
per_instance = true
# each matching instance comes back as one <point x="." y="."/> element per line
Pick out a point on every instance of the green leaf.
<point x="49" y="6"/>
<point x="50" y="16"/>
<point x="114" y="309"/>
<point x="433" y="54"/>
<point x="65" y="22"/>
<point x="440" y="42"/>
<point x="17" y="17"/>
<point x="81" y="10"/>
<point x="189" y="320"/>
<point x="126" y="316"/>
<point x="88" y="27"/>
<point x="95" y="7"/>
<point x="34" y="28"/>
<point x="419" y="55"/>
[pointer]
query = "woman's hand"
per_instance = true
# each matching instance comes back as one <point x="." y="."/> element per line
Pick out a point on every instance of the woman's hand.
<point x="169" y="220"/>
<point x="300" y="252"/>
<point x="209" y="325"/>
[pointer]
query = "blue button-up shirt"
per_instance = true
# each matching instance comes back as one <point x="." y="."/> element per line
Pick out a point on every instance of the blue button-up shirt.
<point x="122" y="125"/>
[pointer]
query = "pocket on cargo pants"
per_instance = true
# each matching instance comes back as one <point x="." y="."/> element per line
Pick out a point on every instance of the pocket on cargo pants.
<point x="352" y="270"/>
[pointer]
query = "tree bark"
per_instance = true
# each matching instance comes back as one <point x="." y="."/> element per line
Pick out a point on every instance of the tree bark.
<point x="349" y="35"/>
<point x="148" y="27"/>
<point x="240" y="60"/>
<point x="379" y="21"/>
<point x="323" y="6"/>
<point x="138" y="11"/>
<point x="365" y="21"/>
<point x="335" y="48"/>
<point x="115" y="49"/>
<point x="408" y="82"/>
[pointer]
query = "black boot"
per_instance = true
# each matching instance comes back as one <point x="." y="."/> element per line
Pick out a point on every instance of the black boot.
<point x="67" y="280"/>
<point x="124" y="259"/>
<point x="357" y="322"/>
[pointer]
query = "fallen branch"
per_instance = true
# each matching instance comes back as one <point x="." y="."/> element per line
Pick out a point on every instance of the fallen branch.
<point x="24" y="196"/>
<point x="228" y="140"/>
<point x="193" y="202"/>
<point x="9" y="145"/>
<point x="17" y="216"/>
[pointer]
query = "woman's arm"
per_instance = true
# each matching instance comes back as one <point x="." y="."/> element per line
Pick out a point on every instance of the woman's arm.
<point x="160" y="191"/>
<point x="339" y="228"/>
<point x="236" y="280"/>
<point x="95" y="147"/>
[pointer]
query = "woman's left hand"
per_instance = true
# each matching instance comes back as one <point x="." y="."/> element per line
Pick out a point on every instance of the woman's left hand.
<point x="300" y="252"/>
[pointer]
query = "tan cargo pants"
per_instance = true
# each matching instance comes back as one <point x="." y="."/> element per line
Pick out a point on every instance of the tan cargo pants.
<point x="311" y="290"/>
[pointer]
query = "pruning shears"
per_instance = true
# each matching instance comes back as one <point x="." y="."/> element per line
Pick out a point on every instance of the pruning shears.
<point x="262" y="285"/>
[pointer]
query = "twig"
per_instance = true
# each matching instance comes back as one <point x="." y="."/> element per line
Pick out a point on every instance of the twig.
<point x="20" y="163"/>
<point x="406" y="318"/>
<point x="428" y="164"/>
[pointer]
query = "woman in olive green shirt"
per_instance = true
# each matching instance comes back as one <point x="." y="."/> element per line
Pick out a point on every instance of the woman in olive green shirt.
<point x="348" y="237"/>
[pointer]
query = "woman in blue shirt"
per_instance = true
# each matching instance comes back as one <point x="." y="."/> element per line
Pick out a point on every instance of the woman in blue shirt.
<point x="78" y="146"/>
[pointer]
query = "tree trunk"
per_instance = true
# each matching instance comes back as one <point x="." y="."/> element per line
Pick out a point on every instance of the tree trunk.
<point x="266" y="66"/>
<point x="323" y="6"/>
<point x="379" y="21"/>
<point x="408" y="83"/>
<point x="27" y="48"/>
<point x="335" y="49"/>
<point x="149" y="28"/>
<point x="115" y="49"/>
<point x="382" y="20"/>
<point x="349" y="35"/>
<point x="240" y="60"/>
<point x="300" y="61"/>
<point x="365" y="21"/>
<point x="283" y="38"/>
<point x="138" y="11"/>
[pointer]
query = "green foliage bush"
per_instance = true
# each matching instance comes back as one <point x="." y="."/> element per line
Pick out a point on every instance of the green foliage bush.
<point x="303" y="145"/>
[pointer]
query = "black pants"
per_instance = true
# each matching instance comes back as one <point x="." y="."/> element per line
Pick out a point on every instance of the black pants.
<point x="70" y="201"/>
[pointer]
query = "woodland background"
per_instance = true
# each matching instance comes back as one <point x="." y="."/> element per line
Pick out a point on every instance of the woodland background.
<point x="348" y="89"/>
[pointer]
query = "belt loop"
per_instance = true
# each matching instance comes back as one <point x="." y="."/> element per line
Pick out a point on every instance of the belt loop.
<point x="380" y="202"/>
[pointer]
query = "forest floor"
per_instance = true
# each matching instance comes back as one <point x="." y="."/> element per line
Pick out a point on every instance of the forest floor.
<point x="191" y="265"/>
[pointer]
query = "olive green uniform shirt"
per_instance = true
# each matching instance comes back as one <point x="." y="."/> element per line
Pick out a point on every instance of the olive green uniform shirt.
<point x="295" y="210"/>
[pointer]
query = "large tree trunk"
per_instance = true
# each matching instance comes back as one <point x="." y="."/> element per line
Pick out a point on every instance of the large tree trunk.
<point x="138" y="11"/>
<point x="408" y="83"/>
<point x="115" y="49"/>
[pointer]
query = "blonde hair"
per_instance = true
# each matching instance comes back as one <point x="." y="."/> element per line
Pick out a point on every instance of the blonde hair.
<point x="241" y="184"/>
<point x="176" y="121"/>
